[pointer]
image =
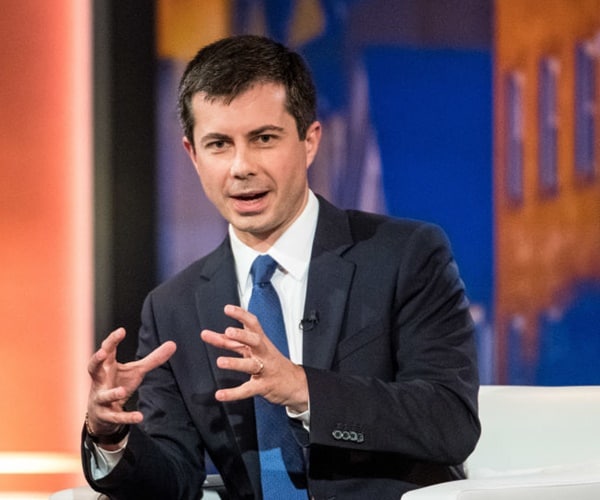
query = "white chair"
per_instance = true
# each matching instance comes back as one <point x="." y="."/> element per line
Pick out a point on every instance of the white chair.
<point x="87" y="493"/>
<point x="536" y="443"/>
<point x="81" y="493"/>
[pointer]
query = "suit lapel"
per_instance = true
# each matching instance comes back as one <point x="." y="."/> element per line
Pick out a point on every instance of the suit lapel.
<point x="329" y="281"/>
<point x="217" y="289"/>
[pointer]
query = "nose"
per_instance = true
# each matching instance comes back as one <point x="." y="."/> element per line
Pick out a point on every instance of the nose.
<point x="242" y="164"/>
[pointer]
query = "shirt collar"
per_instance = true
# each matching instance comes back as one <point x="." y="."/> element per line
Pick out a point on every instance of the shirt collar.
<point x="291" y="251"/>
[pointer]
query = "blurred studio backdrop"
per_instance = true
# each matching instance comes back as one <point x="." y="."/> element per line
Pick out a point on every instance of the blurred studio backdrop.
<point x="479" y="115"/>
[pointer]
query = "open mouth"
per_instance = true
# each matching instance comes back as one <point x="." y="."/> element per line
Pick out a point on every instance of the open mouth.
<point x="250" y="196"/>
<point x="250" y="203"/>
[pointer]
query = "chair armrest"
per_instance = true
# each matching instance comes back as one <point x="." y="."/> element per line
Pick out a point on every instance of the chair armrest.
<point x="212" y="491"/>
<point x="80" y="493"/>
<point x="583" y="485"/>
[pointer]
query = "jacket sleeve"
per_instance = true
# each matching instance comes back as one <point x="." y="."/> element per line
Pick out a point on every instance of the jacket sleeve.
<point x="425" y="407"/>
<point x="164" y="456"/>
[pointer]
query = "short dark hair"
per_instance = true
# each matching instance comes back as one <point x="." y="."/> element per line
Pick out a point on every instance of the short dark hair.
<point x="228" y="67"/>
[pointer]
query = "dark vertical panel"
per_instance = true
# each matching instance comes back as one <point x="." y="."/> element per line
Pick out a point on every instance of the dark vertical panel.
<point x="124" y="75"/>
<point x="103" y="276"/>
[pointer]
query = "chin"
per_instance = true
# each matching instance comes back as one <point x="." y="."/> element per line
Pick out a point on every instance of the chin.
<point x="245" y="224"/>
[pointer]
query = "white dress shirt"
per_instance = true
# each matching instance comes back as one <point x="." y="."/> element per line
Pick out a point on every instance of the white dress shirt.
<point x="292" y="252"/>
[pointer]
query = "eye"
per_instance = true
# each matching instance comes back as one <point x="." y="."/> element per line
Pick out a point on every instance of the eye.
<point x="217" y="145"/>
<point x="265" y="139"/>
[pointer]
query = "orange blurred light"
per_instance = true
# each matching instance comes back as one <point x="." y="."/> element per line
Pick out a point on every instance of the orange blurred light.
<point x="46" y="255"/>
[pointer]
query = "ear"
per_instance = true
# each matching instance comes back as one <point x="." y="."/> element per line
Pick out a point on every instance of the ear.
<point x="312" y="141"/>
<point x="191" y="150"/>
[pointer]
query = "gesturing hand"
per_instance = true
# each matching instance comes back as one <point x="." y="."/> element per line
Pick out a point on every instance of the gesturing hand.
<point x="113" y="383"/>
<point x="273" y="375"/>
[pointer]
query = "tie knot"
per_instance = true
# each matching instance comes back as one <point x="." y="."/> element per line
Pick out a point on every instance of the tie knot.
<point x="262" y="269"/>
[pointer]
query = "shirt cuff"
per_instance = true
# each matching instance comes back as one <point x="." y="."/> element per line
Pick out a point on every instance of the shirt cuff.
<point x="304" y="417"/>
<point x="104" y="461"/>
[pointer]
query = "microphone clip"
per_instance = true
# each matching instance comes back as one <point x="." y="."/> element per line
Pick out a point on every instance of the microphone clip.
<point x="308" y="323"/>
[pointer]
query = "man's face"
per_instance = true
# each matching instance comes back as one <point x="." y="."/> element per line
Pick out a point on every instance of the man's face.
<point x="251" y="162"/>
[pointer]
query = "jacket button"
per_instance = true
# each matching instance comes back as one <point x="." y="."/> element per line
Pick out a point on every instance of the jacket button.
<point x="353" y="436"/>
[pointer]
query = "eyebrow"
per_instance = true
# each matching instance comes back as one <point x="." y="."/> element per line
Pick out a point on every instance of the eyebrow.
<point x="265" y="128"/>
<point x="216" y="136"/>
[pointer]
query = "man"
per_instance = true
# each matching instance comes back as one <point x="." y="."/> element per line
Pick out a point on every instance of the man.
<point x="380" y="387"/>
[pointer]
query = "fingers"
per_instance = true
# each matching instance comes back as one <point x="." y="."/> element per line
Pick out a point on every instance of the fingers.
<point x="108" y="349"/>
<point x="244" y="391"/>
<point x="246" y="318"/>
<point x="113" y="383"/>
<point x="250" y="365"/>
<point x="234" y="339"/>
<point x="157" y="357"/>
<point x="283" y="386"/>
<point x="110" y="343"/>
<point x="107" y="397"/>
<point x="106" y="413"/>
<point x="105" y="420"/>
<point x="272" y="375"/>
<point x="122" y="417"/>
<point x="221" y="341"/>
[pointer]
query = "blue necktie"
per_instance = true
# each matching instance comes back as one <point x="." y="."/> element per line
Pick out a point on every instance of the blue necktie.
<point x="281" y="462"/>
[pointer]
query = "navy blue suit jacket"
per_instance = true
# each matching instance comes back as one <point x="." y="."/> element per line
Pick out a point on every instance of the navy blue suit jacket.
<point x="390" y="363"/>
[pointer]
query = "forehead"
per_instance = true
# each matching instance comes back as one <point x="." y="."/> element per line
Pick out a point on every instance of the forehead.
<point x="261" y="104"/>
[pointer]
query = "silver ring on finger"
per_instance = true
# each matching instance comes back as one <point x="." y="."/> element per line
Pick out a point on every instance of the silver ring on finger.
<point x="260" y="368"/>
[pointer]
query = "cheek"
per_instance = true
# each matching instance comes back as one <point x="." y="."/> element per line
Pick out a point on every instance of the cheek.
<point x="210" y="180"/>
<point x="295" y="177"/>
<point x="292" y="166"/>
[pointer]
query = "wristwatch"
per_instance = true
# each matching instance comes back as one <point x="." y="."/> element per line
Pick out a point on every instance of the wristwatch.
<point x="114" y="438"/>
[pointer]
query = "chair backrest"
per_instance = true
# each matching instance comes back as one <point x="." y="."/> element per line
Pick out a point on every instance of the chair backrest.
<point x="526" y="428"/>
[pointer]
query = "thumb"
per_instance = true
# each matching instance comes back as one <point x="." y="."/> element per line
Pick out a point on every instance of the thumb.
<point x="157" y="357"/>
